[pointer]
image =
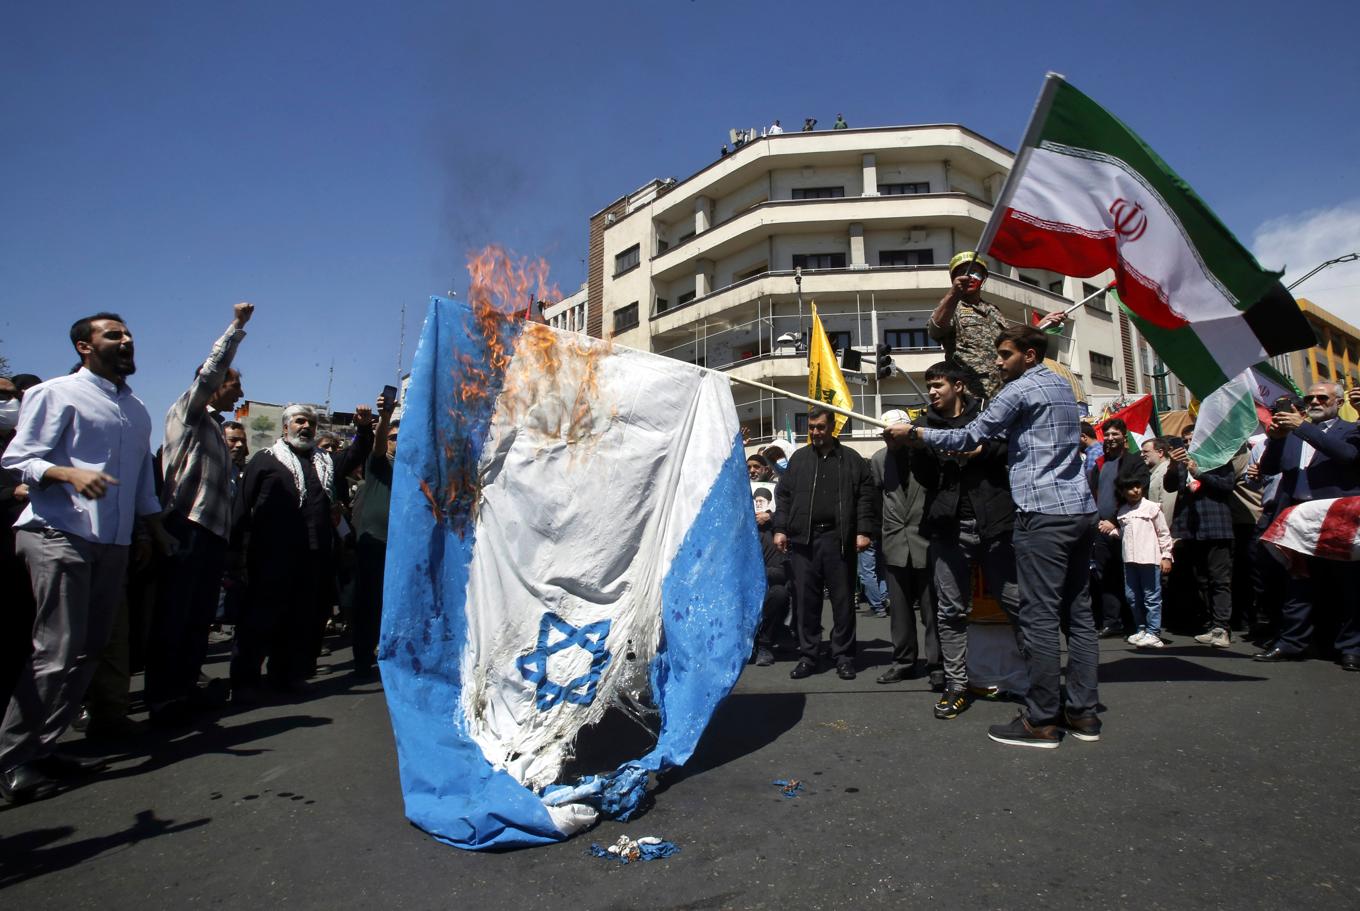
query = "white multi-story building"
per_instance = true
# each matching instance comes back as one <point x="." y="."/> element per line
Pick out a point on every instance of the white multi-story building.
<point x="704" y="269"/>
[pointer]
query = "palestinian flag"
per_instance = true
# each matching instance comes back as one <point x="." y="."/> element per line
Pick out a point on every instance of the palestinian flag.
<point x="1140" y="416"/>
<point x="1226" y="420"/>
<point x="1086" y="195"/>
<point x="1318" y="528"/>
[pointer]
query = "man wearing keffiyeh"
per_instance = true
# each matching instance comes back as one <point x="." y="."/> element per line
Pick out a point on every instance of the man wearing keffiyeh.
<point x="285" y="512"/>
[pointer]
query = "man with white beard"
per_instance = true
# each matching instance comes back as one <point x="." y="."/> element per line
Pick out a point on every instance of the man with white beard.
<point x="285" y="504"/>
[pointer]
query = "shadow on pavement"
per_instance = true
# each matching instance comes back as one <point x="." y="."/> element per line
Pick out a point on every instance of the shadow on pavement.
<point x="743" y="724"/>
<point x="1165" y="668"/>
<point x="32" y="854"/>
<point x="162" y="748"/>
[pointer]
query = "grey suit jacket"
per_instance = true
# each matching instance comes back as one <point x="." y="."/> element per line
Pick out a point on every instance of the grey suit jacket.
<point x="903" y="503"/>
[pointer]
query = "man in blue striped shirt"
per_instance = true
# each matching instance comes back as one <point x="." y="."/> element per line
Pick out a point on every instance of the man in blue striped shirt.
<point x="1037" y="415"/>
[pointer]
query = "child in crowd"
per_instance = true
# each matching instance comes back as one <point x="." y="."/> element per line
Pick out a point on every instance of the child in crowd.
<point x="1146" y="541"/>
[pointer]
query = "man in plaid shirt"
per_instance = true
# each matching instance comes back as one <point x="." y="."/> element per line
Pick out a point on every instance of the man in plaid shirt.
<point x="1037" y="415"/>
<point x="197" y="498"/>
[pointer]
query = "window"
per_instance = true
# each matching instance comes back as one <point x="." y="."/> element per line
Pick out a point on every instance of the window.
<point x="1056" y="287"/>
<point x="626" y="260"/>
<point x="751" y="273"/>
<point x="626" y="317"/>
<point x="906" y="257"/>
<point x="1033" y="282"/>
<point x="818" y="192"/>
<point x="662" y="245"/>
<point x="903" y="189"/>
<point x="807" y="261"/>
<point x="1102" y="367"/>
<point x="1095" y="303"/>
<point x="662" y="304"/>
<point x="684" y="298"/>
<point x="839" y="340"/>
<point x="908" y="338"/>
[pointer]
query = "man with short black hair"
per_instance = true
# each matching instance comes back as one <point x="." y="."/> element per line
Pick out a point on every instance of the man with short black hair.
<point x="1037" y="414"/>
<point x="83" y="448"/>
<point x="197" y="494"/>
<point x="824" y="514"/>
<point x="1107" y="559"/>
<point x="968" y="519"/>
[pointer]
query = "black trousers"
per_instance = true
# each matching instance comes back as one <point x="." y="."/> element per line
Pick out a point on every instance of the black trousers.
<point x="1212" y="565"/>
<point x="906" y="586"/>
<point x="1107" y="581"/>
<point x="772" y="612"/>
<point x="186" y="603"/>
<point x="279" y="619"/>
<point x="370" y="558"/>
<point x="16" y="619"/>
<point x="816" y="566"/>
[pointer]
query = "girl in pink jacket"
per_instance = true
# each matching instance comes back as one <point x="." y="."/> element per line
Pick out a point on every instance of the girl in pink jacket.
<point x="1146" y="544"/>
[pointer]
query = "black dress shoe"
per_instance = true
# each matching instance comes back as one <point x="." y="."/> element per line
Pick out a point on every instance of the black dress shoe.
<point x="1275" y="653"/>
<point x="804" y="668"/>
<point x="1350" y="662"/>
<point x="1112" y="632"/>
<point x="24" y="783"/>
<point x="897" y="673"/>
<point x="845" y="670"/>
<point x="62" y="766"/>
<point x="937" y="681"/>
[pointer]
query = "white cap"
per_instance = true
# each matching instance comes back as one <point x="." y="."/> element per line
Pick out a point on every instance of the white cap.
<point x="896" y="416"/>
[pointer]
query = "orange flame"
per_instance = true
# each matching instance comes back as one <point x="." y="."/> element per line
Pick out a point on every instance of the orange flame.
<point x="504" y="287"/>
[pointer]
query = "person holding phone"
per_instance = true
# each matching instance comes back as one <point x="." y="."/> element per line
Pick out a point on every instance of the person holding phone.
<point x="371" y="505"/>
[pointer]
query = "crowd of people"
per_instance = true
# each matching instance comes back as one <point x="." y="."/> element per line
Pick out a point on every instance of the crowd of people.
<point x="1075" y="535"/>
<point x="118" y="557"/>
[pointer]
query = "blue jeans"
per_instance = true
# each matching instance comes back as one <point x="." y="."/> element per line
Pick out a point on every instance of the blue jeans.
<point x="871" y="577"/>
<point x="1143" y="591"/>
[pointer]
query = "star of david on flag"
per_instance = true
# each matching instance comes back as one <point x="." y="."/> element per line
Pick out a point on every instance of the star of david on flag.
<point x="579" y="690"/>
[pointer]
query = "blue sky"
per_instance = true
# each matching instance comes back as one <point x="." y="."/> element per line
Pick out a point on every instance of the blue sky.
<point x="332" y="161"/>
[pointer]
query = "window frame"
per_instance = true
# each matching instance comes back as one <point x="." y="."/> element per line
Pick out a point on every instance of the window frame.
<point x="624" y="309"/>
<point x="635" y="252"/>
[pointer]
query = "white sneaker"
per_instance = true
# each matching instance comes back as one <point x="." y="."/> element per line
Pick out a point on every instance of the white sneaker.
<point x="1217" y="637"/>
<point x="1152" y="640"/>
<point x="1136" y="638"/>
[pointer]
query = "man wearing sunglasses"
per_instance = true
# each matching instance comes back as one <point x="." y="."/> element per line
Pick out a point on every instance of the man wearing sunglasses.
<point x="1317" y="459"/>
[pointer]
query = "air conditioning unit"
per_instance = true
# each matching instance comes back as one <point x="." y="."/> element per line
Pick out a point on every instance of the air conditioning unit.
<point x="610" y="218"/>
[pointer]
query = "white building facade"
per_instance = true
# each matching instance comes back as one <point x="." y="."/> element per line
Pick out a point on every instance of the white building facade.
<point x="704" y="269"/>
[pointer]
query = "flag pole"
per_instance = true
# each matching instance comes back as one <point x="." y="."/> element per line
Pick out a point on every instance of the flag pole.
<point x="1036" y="119"/>
<point x="1087" y="299"/>
<point x="798" y="398"/>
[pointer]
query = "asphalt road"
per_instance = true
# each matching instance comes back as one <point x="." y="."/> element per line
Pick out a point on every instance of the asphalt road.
<point x="1219" y="782"/>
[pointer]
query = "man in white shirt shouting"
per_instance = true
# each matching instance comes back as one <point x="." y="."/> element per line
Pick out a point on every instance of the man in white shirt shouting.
<point x="83" y="447"/>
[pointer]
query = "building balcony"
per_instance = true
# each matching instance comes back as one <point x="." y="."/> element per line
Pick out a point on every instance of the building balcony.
<point x="820" y="148"/>
<point x="795" y="216"/>
<point x="740" y="301"/>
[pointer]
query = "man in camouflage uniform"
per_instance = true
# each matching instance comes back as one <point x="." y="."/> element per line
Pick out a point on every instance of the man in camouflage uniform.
<point x="967" y="326"/>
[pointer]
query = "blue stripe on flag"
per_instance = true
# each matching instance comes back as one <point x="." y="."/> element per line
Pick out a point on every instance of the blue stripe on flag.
<point x="451" y="791"/>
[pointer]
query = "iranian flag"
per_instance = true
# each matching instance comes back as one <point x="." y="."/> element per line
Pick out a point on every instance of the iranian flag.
<point x="1087" y="195"/>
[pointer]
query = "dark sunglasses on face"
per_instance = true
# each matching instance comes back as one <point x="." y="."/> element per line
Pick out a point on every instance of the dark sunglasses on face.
<point x="1320" y="399"/>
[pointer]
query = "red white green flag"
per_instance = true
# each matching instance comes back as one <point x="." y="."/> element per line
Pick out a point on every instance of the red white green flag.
<point x="1087" y="195"/>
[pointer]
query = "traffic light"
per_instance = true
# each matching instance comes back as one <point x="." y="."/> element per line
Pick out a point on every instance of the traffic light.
<point x="886" y="367"/>
<point x="850" y="359"/>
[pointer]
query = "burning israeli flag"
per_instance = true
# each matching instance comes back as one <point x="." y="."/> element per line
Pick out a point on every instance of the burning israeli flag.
<point x="571" y="533"/>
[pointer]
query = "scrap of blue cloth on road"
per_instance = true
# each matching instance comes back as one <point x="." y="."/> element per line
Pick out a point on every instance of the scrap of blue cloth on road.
<point x="571" y="531"/>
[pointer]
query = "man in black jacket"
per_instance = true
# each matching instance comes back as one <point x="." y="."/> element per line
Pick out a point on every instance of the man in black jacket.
<point x="1107" y="561"/>
<point x="824" y="514"/>
<point x="968" y="519"/>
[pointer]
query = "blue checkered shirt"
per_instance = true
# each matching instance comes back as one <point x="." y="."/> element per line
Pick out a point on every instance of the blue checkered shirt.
<point x="1037" y="415"/>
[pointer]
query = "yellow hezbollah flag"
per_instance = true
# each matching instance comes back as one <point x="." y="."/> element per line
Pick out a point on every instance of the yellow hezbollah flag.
<point x="826" y="383"/>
